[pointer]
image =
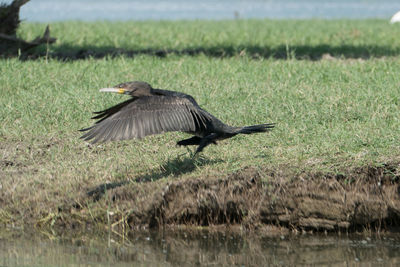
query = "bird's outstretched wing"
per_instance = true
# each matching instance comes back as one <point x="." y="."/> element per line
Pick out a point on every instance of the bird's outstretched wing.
<point x="137" y="118"/>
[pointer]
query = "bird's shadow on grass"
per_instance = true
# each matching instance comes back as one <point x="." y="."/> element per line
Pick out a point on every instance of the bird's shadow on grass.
<point x="66" y="52"/>
<point x="178" y="166"/>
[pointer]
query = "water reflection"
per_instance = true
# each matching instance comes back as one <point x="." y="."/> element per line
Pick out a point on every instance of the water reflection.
<point x="200" y="248"/>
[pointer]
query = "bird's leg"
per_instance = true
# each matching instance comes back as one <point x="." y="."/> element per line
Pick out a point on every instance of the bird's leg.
<point x="205" y="141"/>
<point x="195" y="140"/>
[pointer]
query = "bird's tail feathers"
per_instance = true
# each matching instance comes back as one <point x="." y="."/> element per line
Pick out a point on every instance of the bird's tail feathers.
<point x="259" y="128"/>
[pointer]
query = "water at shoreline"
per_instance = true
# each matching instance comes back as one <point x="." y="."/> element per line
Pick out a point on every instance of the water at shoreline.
<point x="91" y="10"/>
<point x="200" y="248"/>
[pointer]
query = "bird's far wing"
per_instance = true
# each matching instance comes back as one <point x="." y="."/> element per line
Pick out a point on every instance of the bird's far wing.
<point x="146" y="116"/>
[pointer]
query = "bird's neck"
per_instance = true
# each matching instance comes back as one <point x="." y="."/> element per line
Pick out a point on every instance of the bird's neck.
<point x="167" y="93"/>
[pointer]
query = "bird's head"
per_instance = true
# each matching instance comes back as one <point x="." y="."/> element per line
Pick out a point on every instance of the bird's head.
<point x="135" y="88"/>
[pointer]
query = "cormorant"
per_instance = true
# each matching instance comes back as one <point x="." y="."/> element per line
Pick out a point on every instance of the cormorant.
<point x="154" y="111"/>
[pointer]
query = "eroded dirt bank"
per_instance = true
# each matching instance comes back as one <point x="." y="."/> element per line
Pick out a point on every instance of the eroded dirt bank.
<point x="362" y="198"/>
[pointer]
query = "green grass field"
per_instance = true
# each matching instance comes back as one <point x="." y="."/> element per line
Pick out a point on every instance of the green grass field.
<point x="331" y="87"/>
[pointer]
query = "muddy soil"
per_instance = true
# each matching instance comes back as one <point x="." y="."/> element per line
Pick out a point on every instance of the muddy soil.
<point x="362" y="198"/>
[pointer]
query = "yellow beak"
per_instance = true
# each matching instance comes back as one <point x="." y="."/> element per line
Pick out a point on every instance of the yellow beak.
<point x="113" y="90"/>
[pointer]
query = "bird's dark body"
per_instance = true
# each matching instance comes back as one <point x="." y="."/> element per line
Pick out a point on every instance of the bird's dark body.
<point x="153" y="111"/>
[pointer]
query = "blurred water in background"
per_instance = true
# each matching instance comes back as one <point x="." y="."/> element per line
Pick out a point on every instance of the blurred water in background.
<point x="89" y="10"/>
<point x="199" y="248"/>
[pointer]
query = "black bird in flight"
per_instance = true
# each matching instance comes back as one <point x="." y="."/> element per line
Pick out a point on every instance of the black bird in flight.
<point x="154" y="111"/>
